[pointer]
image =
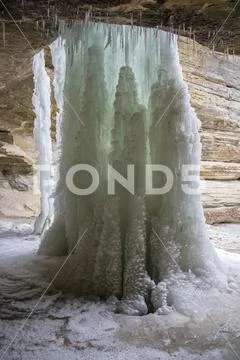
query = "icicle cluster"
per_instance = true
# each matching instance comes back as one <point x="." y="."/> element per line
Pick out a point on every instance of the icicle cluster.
<point x="125" y="103"/>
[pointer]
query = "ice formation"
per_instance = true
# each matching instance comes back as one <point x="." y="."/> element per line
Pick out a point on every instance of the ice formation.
<point x="125" y="102"/>
<point x="42" y="108"/>
<point x="59" y="63"/>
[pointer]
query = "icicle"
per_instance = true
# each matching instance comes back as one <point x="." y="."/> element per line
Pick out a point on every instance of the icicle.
<point x="179" y="30"/>
<point x="132" y="22"/>
<point x="59" y="63"/>
<point x="213" y="48"/>
<point x="126" y="50"/>
<point x="56" y="20"/>
<point x="222" y="43"/>
<point x="87" y="17"/>
<point x="184" y="29"/>
<point x="43" y="25"/>
<point x="4" y="34"/>
<point x="190" y="32"/>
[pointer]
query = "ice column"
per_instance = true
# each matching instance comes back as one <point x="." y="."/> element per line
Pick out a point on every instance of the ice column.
<point x="125" y="102"/>
<point x="42" y="135"/>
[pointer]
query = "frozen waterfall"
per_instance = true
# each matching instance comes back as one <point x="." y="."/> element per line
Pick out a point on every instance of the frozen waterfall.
<point x="42" y="135"/>
<point x="124" y="102"/>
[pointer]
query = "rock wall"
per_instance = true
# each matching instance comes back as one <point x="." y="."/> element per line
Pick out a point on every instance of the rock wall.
<point x="18" y="197"/>
<point x="214" y="86"/>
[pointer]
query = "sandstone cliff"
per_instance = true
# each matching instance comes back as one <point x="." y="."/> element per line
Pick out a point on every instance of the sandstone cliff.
<point x="214" y="85"/>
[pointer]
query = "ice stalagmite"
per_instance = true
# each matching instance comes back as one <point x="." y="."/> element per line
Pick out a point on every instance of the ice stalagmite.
<point x="125" y="103"/>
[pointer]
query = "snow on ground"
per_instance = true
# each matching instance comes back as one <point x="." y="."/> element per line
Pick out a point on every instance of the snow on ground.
<point x="206" y="326"/>
<point x="226" y="236"/>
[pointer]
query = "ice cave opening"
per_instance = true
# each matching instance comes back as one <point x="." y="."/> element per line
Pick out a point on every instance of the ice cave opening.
<point x="121" y="100"/>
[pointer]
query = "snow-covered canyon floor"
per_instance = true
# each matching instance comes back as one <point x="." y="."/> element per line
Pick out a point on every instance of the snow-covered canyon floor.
<point x="67" y="327"/>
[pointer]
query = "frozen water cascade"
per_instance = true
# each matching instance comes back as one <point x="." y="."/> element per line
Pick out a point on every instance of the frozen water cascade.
<point x="119" y="82"/>
<point x="59" y="63"/>
<point x="42" y="127"/>
<point x="42" y="108"/>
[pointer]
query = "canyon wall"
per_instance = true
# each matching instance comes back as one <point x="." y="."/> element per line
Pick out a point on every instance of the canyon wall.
<point x="214" y="86"/>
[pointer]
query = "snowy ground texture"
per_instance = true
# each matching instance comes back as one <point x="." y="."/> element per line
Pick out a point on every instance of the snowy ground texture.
<point x="206" y="326"/>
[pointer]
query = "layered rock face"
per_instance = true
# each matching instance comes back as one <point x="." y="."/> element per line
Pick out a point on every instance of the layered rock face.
<point x="16" y="180"/>
<point x="213" y="82"/>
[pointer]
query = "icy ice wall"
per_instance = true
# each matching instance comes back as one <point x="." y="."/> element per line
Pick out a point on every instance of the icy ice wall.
<point x="125" y="102"/>
<point x="42" y="108"/>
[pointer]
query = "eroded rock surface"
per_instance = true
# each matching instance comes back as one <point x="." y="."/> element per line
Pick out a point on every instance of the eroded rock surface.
<point x="213" y="81"/>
